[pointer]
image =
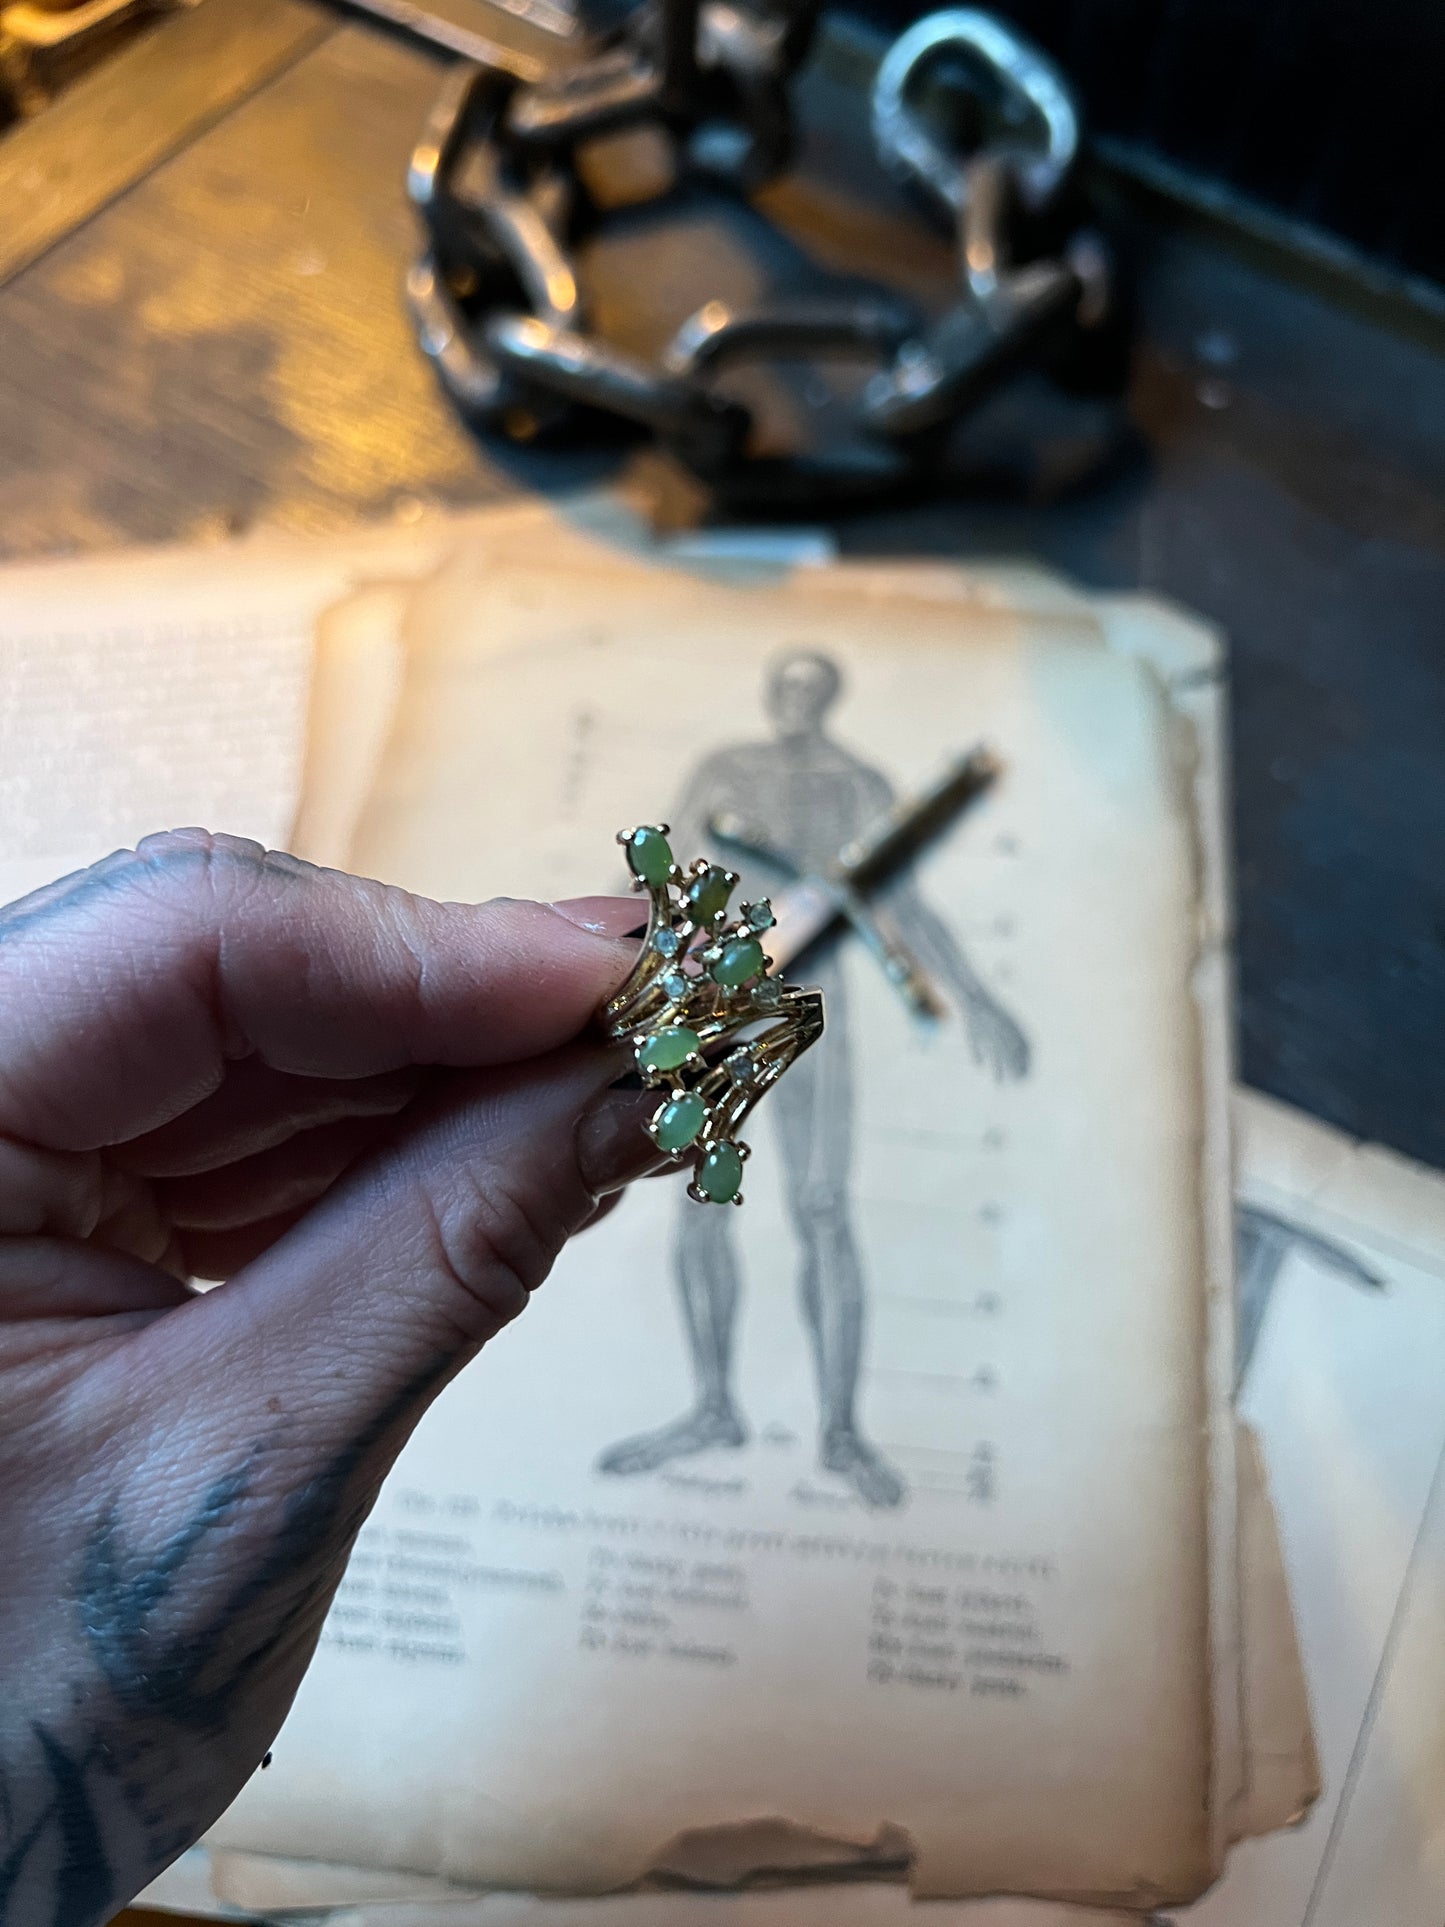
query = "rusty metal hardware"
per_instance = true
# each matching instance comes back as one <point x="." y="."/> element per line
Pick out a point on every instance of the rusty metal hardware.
<point x="496" y="180"/>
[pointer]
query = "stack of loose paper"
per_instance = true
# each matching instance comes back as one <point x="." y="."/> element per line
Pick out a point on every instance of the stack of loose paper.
<point x="1050" y="1653"/>
<point x="1028" y="1678"/>
<point x="1344" y="1255"/>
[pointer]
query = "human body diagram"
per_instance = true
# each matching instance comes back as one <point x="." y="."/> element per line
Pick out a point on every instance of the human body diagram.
<point x="814" y="794"/>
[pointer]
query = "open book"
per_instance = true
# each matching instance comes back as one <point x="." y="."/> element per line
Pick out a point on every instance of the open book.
<point x="1005" y="1643"/>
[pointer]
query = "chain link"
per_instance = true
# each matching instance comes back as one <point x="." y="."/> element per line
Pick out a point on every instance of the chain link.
<point x="496" y="180"/>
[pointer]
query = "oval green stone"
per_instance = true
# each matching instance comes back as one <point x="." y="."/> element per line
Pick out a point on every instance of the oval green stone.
<point x="709" y="895"/>
<point x="720" y="1175"/>
<point x="666" y="1049"/>
<point x="739" y="963"/>
<point x="679" y="1121"/>
<point x="649" y="856"/>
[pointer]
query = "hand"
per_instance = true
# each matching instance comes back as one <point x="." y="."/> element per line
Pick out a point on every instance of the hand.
<point x="995" y="1039"/>
<point x="372" y="1116"/>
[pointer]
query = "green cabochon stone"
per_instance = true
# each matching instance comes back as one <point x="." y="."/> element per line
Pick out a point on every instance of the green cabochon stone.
<point x="740" y="962"/>
<point x="720" y="1174"/>
<point x="679" y="1121"/>
<point x="649" y="856"/>
<point x="709" y="895"/>
<point x="666" y="1049"/>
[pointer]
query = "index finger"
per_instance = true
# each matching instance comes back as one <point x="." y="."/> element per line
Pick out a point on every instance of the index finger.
<point x="125" y="991"/>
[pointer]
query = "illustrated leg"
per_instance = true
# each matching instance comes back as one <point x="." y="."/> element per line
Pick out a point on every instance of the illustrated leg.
<point x="708" y="1282"/>
<point x="814" y="1108"/>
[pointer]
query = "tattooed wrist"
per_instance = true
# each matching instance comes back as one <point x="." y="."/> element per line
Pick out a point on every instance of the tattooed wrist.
<point x="189" y="1647"/>
<point x="56" y="1865"/>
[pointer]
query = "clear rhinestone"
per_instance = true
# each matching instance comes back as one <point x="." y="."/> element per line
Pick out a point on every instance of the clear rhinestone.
<point x="666" y="941"/>
<point x="760" y="915"/>
<point x="677" y="984"/>
<point x="769" y="993"/>
<point x="739" y="1064"/>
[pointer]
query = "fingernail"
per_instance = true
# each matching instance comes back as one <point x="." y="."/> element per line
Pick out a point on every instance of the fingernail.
<point x="603" y="916"/>
<point x="613" y="1146"/>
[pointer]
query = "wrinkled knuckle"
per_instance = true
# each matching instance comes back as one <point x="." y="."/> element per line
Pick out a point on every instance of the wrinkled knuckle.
<point x="200" y="853"/>
<point x="496" y="1247"/>
<point x="396" y="911"/>
<point x="195" y="870"/>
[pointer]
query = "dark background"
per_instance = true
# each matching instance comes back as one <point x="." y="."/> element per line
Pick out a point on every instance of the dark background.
<point x="1328" y="111"/>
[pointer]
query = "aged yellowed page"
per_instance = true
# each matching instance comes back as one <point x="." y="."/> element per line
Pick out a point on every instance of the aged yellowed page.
<point x="1343" y="1359"/>
<point x="1344" y="1318"/>
<point x="169" y="686"/>
<point x="1030" y="1628"/>
<point x="863" y="1904"/>
<point x="359" y="650"/>
<point x="356" y="681"/>
<point x="133" y="702"/>
<point x="1281" y="1774"/>
<point x="1282" y="1779"/>
<point x="1282" y="1769"/>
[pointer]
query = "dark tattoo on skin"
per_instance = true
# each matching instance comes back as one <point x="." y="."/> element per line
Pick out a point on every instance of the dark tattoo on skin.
<point x="83" y="1889"/>
<point x="166" y="1689"/>
<point x="14" y="1861"/>
<point x="119" y="1603"/>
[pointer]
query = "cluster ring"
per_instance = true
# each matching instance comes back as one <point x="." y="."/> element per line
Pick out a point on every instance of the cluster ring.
<point x="708" y="1027"/>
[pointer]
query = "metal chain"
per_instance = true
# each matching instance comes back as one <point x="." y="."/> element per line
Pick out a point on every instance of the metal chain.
<point x="495" y="178"/>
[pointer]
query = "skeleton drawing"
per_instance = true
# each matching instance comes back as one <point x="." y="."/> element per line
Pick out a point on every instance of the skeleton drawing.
<point x="815" y="795"/>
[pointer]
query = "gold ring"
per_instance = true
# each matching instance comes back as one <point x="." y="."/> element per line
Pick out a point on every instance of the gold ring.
<point x="708" y="1026"/>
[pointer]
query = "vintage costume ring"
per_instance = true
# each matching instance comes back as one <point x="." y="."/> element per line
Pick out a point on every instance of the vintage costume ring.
<point x="708" y="1027"/>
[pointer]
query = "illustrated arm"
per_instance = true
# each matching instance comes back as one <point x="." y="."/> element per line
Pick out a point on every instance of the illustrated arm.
<point x="996" y="1038"/>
